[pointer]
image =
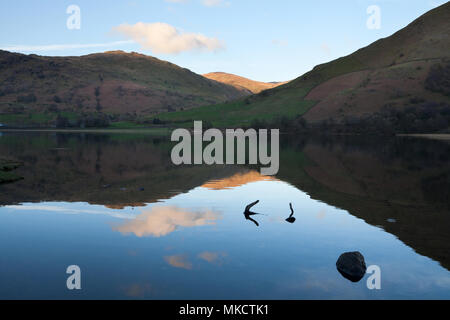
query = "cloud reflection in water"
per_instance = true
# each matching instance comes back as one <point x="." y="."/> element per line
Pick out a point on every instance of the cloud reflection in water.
<point x="161" y="220"/>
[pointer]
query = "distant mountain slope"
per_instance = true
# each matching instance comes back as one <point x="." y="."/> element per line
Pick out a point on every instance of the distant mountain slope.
<point x="242" y="83"/>
<point x="409" y="68"/>
<point x="110" y="82"/>
<point x="390" y="71"/>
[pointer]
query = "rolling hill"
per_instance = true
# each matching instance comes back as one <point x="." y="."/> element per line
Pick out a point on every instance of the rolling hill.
<point x="241" y="83"/>
<point x="408" y="70"/>
<point x="111" y="83"/>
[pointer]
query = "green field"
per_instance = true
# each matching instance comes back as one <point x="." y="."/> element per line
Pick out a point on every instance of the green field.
<point x="239" y="113"/>
<point x="26" y="119"/>
<point x="286" y="101"/>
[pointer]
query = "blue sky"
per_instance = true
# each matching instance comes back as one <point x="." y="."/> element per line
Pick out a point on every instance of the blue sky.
<point x="262" y="40"/>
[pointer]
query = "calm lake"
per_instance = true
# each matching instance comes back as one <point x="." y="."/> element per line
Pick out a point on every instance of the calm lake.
<point x="140" y="227"/>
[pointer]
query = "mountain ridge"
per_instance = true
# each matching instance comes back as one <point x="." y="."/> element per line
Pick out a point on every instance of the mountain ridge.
<point x="113" y="82"/>
<point x="391" y="84"/>
<point x="242" y="83"/>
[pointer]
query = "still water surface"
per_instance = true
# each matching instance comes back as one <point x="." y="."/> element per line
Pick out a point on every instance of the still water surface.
<point x="142" y="228"/>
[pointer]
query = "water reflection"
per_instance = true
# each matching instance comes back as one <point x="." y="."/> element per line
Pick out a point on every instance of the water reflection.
<point x="212" y="257"/>
<point x="161" y="220"/>
<point x="291" y="218"/>
<point x="352" y="266"/>
<point x="137" y="290"/>
<point x="248" y="214"/>
<point x="179" y="261"/>
<point x="386" y="198"/>
<point x="237" y="180"/>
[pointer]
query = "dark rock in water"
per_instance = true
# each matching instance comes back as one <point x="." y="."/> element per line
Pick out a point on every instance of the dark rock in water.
<point x="351" y="265"/>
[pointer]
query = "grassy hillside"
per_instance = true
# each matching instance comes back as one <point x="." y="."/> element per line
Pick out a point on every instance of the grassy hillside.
<point x="111" y="83"/>
<point x="241" y="83"/>
<point x="409" y="67"/>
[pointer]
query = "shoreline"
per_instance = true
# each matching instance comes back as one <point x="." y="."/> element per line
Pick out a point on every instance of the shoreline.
<point x="143" y="130"/>
<point x="433" y="136"/>
<point x="167" y="130"/>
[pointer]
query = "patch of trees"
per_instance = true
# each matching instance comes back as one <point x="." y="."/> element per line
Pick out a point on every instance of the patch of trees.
<point x="424" y="117"/>
<point x="6" y="89"/>
<point x="120" y="91"/>
<point x="283" y="123"/>
<point x="91" y="120"/>
<point x="428" y="117"/>
<point x="8" y="59"/>
<point x="53" y="108"/>
<point x="29" y="98"/>
<point x="157" y="121"/>
<point x="98" y="106"/>
<point x="438" y="79"/>
<point x="122" y="117"/>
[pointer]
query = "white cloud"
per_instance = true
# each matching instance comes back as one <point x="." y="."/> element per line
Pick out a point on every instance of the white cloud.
<point x="279" y="42"/>
<point x="176" y="1"/>
<point x="164" y="38"/>
<point x="60" y="47"/>
<point x="215" y="3"/>
<point x="325" y="48"/>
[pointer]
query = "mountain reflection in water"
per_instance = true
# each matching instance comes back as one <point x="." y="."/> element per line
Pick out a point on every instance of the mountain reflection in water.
<point x="121" y="191"/>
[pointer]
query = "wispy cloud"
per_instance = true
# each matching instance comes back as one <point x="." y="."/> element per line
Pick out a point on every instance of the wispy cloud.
<point x="325" y="48"/>
<point x="61" y="47"/>
<point x="176" y="1"/>
<point x="279" y="42"/>
<point x="164" y="38"/>
<point x="216" y="3"/>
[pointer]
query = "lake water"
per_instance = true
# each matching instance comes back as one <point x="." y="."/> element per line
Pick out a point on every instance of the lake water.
<point x="141" y="228"/>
